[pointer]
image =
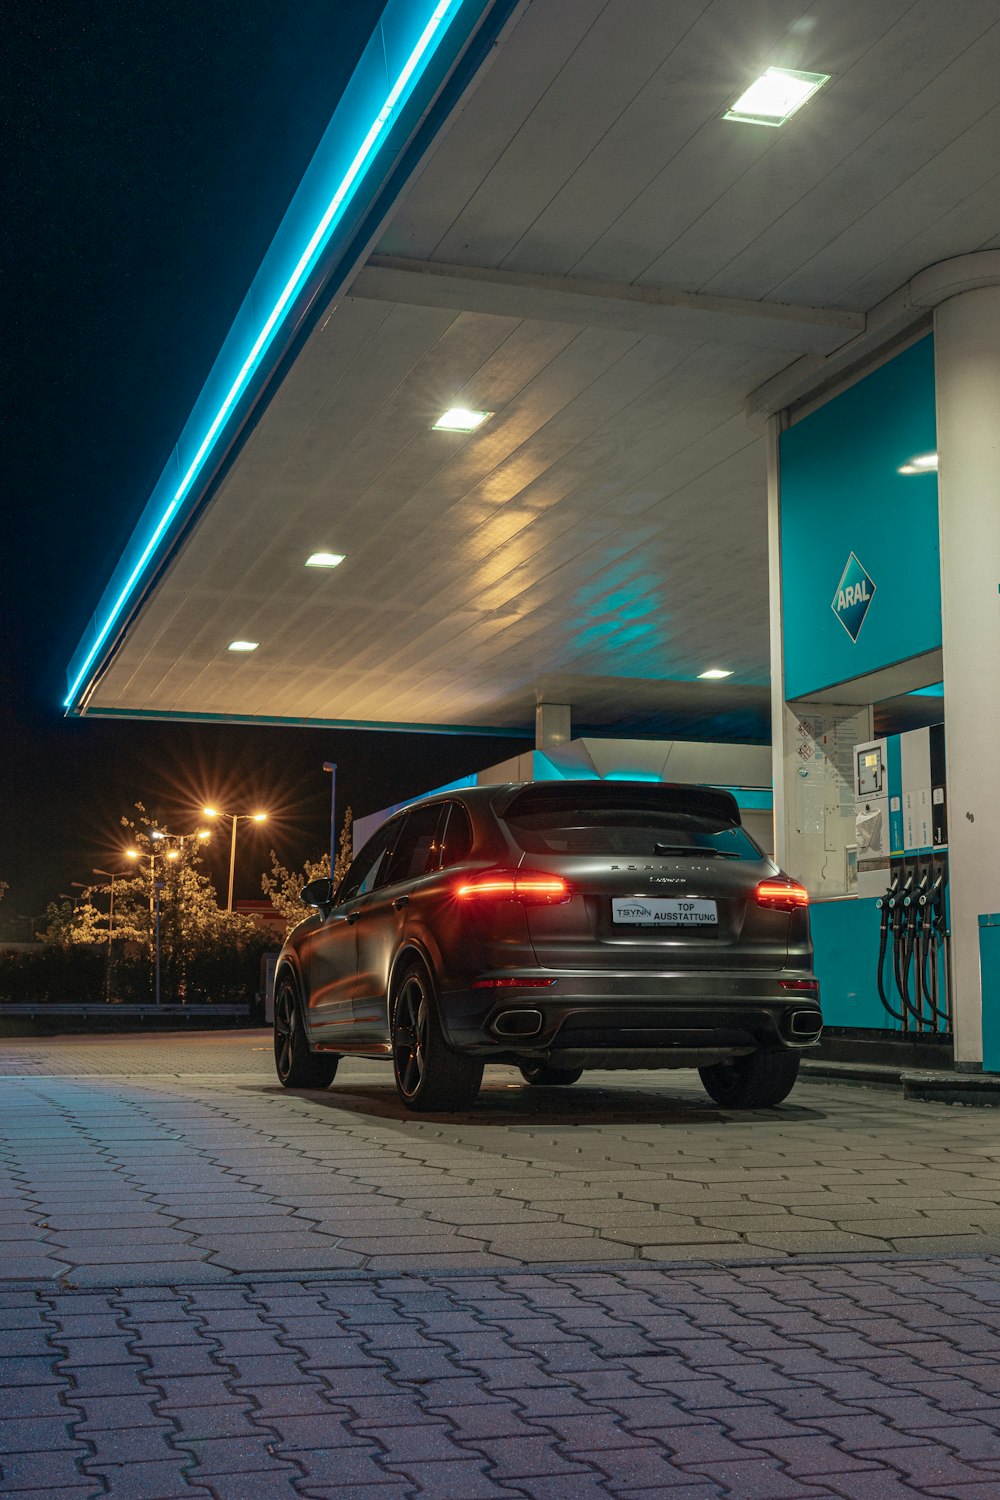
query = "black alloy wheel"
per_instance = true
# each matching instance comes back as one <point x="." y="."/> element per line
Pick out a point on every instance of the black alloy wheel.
<point x="296" y="1066"/>
<point x="429" y="1075"/>
<point x="753" y="1082"/>
<point x="544" y="1073"/>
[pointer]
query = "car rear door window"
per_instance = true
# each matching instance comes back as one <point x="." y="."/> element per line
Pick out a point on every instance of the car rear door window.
<point x="418" y="848"/>
<point x="364" y="871"/>
<point x="457" y="841"/>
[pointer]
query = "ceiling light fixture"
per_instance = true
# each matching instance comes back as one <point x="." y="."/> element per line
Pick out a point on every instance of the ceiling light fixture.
<point x="713" y="673"/>
<point x="460" y="419"/>
<point x="921" y="463"/>
<point x="243" y="645"/>
<point x="775" y="96"/>
<point x="325" y="560"/>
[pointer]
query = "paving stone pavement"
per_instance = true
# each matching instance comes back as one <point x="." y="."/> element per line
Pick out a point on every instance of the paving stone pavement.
<point x="178" y="1158"/>
<point x="865" y="1382"/>
<point x="211" y="1287"/>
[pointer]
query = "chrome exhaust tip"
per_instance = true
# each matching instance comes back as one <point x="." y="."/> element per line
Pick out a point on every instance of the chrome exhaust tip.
<point x="516" y="1023"/>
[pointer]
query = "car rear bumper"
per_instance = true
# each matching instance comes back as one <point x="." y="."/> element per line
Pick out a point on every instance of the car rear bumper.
<point x="635" y="1019"/>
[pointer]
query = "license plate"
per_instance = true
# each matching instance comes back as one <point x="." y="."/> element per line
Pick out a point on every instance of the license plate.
<point x="637" y="911"/>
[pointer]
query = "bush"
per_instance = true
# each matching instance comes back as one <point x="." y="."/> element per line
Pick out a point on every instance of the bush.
<point x="77" y="974"/>
<point x="71" y="974"/>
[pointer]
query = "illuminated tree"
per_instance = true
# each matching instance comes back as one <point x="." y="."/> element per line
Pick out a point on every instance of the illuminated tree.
<point x="205" y="954"/>
<point x="191" y="918"/>
<point x="283" y="887"/>
<point x="345" y="848"/>
<point x="69" y="922"/>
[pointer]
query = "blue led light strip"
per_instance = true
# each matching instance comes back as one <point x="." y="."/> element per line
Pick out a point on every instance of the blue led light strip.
<point x="433" y="30"/>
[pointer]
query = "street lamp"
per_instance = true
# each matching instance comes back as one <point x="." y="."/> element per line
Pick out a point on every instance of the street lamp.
<point x="155" y="887"/>
<point x="234" y="818"/>
<point x="112" y="876"/>
<point x="331" y="766"/>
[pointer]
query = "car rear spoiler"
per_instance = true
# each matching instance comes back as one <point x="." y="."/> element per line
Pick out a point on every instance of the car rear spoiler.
<point x="580" y="796"/>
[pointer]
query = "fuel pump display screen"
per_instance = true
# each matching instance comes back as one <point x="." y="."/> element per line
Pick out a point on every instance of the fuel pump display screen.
<point x="870" y="772"/>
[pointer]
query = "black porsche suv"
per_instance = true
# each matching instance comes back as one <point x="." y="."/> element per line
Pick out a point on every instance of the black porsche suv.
<point x="558" y="926"/>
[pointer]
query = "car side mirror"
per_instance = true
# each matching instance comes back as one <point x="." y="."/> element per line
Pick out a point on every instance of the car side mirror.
<point x="319" y="892"/>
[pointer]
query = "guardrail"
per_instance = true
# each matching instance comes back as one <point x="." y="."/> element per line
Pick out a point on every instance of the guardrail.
<point x="46" y="1008"/>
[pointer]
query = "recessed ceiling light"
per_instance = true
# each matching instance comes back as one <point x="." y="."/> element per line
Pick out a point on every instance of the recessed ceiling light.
<point x="460" y="419"/>
<point x="921" y="463"/>
<point x="243" y="645"/>
<point x="715" y="672"/>
<point x="775" y="96"/>
<point x="325" y="560"/>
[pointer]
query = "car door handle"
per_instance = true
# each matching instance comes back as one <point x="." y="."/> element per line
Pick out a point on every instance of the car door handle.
<point x="400" y="902"/>
<point x="352" y="916"/>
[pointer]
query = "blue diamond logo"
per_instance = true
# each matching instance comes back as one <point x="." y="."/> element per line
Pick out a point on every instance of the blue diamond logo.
<point x="855" y="592"/>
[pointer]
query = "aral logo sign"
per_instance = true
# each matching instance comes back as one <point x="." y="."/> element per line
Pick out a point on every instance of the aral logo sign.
<point x="855" y="592"/>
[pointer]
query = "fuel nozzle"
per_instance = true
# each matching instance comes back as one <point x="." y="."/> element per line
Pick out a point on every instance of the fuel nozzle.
<point x="913" y="902"/>
<point x="928" y="895"/>
<point x="885" y="901"/>
<point x="899" y="900"/>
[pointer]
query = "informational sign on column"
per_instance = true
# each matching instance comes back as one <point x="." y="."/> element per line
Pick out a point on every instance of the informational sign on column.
<point x="819" y="772"/>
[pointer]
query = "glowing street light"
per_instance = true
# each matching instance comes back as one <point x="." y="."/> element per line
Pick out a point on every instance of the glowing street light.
<point x="234" y="818"/>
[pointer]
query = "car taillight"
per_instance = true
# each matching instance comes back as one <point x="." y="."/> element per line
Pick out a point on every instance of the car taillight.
<point x="530" y="887"/>
<point x="808" y="986"/>
<point x="782" y="895"/>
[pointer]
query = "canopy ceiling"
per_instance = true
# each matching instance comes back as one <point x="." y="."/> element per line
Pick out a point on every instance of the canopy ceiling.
<point x="591" y="253"/>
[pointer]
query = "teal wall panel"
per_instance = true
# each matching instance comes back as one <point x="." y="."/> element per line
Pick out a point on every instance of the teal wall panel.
<point x="989" y="958"/>
<point x="841" y="492"/>
<point x="845" y="936"/>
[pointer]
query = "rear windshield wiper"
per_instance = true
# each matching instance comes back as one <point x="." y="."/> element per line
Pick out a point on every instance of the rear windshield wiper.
<point x="694" y="852"/>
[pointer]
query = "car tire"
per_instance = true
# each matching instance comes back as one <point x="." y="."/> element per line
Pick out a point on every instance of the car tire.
<point x="429" y="1075"/>
<point x="753" y="1082"/>
<point x="543" y="1074"/>
<point x="296" y="1066"/>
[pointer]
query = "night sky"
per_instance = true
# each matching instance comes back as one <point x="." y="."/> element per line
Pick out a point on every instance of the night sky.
<point x="155" y="148"/>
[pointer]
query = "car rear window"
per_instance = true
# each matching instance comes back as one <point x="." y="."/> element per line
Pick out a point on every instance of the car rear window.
<point x="561" y="824"/>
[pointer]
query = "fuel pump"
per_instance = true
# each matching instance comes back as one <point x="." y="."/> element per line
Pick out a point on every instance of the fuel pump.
<point x="903" y="861"/>
<point x="933" y="946"/>
<point x="885" y="905"/>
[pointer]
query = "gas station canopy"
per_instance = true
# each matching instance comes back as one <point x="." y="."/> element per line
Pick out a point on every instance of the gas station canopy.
<point x="551" y="222"/>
